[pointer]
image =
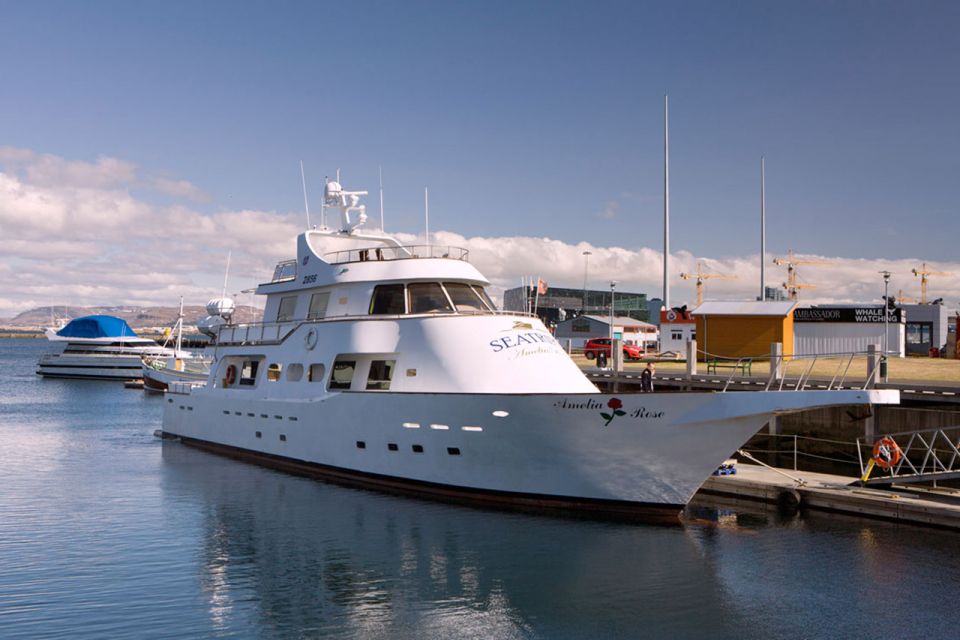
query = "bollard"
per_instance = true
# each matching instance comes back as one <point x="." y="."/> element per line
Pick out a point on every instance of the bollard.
<point x="776" y="363"/>
<point x="691" y="358"/>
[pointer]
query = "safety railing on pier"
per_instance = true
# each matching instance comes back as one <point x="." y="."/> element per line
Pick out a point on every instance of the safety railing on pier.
<point x="835" y="366"/>
<point x="912" y="456"/>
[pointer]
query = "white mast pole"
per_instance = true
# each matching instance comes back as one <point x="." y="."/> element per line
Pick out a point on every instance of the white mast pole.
<point x="306" y="205"/>
<point x="180" y="330"/>
<point x="763" y="231"/>
<point x="382" y="228"/>
<point x="666" y="202"/>
<point x="426" y="213"/>
<point x="226" y="275"/>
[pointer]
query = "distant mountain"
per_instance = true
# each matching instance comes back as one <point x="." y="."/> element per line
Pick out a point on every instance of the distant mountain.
<point x="136" y="317"/>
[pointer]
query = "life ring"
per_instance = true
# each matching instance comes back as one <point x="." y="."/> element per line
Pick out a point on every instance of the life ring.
<point x="310" y="340"/>
<point x="886" y="452"/>
<point x="231" y="375"/>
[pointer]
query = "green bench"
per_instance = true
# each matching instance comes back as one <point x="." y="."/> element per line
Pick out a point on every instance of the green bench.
<point x="745" y="366"/>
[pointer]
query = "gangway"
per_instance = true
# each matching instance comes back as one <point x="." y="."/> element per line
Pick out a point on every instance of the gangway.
<point x="929" y="455"/>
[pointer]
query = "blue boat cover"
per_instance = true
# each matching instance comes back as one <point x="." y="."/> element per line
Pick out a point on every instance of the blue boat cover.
<point x="97" y="327"/>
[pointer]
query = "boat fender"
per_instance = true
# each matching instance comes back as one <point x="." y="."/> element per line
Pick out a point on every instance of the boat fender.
<point x="788" y="501"/>
<point x="886" y="452"/>
<point x="231" y="375"/>
<point x="310" y="340"/>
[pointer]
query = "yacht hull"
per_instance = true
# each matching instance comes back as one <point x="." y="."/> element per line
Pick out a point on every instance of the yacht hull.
<point x="601" y="455"/>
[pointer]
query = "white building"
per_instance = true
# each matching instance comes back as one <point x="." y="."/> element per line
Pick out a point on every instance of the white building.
<point x="580" y="329"/>
<point x="841" y="329"/>
<point x="677" y="327"/>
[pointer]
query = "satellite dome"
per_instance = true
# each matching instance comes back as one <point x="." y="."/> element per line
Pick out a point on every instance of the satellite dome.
<point x="223" y="307"/>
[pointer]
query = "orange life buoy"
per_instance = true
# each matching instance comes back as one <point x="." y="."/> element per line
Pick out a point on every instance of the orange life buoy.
<point x="231" y="374"/>
<point x="886" y="452"/>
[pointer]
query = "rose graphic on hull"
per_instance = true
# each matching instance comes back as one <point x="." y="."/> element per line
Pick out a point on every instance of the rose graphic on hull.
<point x="615" y="406"/>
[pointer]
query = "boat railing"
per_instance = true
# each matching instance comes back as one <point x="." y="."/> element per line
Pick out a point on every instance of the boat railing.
<point x="285" y="271"/>
<point x="266" y="333"/>
<point x="406" y="252"/>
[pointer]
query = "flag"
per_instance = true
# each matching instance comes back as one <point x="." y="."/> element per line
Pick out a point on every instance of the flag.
<point x="541" y="287"/>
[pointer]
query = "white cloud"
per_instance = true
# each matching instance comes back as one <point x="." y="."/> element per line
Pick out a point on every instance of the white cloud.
<point x="72" y="233"/>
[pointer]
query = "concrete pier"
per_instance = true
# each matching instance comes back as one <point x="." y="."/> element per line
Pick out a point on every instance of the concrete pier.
<point x="930" y="506"/>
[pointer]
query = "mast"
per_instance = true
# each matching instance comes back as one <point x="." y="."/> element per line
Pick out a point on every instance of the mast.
<point x="382" y="228"/>
<point x="179" y="330"/>
<point x="763" y="231"/>
<point x="666" y="201"/>
<point x="306" y="205"/>
<point x="426" y="213"/>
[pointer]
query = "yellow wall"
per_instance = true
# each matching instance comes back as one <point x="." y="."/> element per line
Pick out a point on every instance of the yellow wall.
<point x="743" y="336"/>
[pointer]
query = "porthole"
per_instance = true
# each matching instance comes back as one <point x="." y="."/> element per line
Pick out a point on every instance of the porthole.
<point x="393" y="446"/>
<point x="417" y="448"/>
<point x="361" y="444"/>
<point x="454" y="451"/>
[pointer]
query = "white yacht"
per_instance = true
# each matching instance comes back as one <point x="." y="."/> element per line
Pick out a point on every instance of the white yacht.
<point x="97" y="347"/>
<point x="388" y="366"/>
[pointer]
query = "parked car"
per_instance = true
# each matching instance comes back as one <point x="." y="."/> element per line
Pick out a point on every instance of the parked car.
<point x="595" y="346"/>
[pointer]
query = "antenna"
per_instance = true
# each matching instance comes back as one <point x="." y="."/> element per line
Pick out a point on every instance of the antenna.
<point x="226" y="275"/>
<point x="763" y="230"/>
<point x="666" y="202"/>
<point x="380" y="169"/>
<point x="426" y="212"/>
<point x="323" y="203"/>
<point x="306" y="205"/>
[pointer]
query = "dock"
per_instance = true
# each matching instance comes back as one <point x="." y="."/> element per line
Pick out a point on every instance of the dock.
<point x="920" y="505"/>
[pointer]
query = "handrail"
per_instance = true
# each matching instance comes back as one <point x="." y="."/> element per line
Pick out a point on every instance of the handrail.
<point x="405" y="252"/>
<point x="254" y="333"/>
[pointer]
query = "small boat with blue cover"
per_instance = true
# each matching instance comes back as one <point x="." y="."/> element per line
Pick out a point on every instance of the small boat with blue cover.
<point x="97" y="347"/>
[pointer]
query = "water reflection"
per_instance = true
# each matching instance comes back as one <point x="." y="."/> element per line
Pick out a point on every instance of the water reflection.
<point x="313" y="558"/>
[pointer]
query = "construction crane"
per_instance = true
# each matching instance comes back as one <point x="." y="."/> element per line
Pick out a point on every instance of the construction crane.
<point x="792" y="289"/>
<point x="900" y="299"/>
<point x="701" y="276"/>
<point x="791" y="285"/>
<point x="923" y="272"/>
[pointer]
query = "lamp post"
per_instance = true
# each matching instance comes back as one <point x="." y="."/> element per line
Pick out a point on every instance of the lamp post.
<point x="586" y="260"/>
<point x="886" y="329"/>
<point x="613" y="285"/>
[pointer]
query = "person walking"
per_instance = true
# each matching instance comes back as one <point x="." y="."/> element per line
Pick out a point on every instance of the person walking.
<point x="646" y="377"/>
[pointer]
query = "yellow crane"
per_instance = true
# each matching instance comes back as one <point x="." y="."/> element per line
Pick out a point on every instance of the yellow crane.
<point x="701" y="276"/>
<point x="791" y="285"/>
<point x="902" y="298"/>
<point x="923" y="272"/>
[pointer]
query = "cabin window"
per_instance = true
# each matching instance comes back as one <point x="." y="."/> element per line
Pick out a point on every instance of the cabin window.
<point x="288" y="306"/>
<point x="387" y="299"/>
<point x="381" y="371"/>
<point x="294" y="372"/>
<point x="273" y="372"/>
<point x="248" y="372"/>
<point x="342" y="375"/>
<point x="428" y="297"/>
<point x="483" y="294"/>
<point x="315" y="372"/>
<point x="464" y="297"/>
<point x="318" y="305"/>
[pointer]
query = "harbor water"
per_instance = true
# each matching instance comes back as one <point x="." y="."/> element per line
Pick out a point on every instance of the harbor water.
<point x="108" y="532"/>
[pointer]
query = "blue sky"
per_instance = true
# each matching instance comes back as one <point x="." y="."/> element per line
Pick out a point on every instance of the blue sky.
<point x="525" y="119"/>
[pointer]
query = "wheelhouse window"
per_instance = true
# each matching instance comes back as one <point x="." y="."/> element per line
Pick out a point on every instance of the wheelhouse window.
<point x="465" y="298"/>
<point x="483" y="294"/>
<point x="288" y="306"/>
<point x="428" y="297"/>
<point x="381" y="371"/>
<point x="318" y="305"/>
<point x="295" y="372"/>
<point x="248" y="372"/>
<point x="387" y="300"/>
<point x="342" y="375"/>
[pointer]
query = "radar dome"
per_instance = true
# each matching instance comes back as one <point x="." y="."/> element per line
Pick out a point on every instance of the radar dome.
<point x="223" y="307"/>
